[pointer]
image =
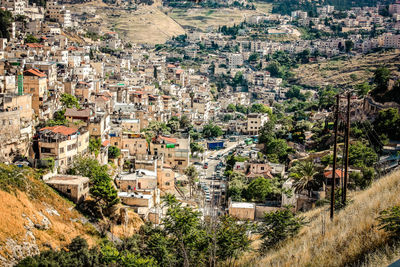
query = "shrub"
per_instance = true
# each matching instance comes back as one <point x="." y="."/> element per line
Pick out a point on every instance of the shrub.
<point x="389" y="220"/>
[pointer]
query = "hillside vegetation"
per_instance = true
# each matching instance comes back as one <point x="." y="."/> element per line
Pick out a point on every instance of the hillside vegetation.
<point x="350" y="71"/>
<point x="34" y="217"/>
<point x="352" y="239"/>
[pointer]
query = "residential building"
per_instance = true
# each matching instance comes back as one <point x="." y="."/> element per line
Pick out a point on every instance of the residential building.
<point x="74" y="187"/>
<point x="62" y="144"/>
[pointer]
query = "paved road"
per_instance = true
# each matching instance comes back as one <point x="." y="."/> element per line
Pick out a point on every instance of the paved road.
<point x="215" y="205"/>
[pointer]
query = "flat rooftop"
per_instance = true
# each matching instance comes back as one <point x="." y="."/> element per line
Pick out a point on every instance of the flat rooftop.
<point x="242" y="205"/>
<point x="67" y="180"/>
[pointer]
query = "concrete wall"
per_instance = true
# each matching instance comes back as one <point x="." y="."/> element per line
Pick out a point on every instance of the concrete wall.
<point x="242" y="213"/>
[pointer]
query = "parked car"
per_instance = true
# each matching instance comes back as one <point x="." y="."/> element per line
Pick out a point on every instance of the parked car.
<point x="205" y="166"/>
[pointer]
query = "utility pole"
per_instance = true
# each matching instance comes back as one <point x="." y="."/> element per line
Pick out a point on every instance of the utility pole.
<point x="334" y="156"/>
<point x="346" y="168"/>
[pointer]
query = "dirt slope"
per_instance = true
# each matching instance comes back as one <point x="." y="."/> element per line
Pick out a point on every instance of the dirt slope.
<point x="34" y="217"/>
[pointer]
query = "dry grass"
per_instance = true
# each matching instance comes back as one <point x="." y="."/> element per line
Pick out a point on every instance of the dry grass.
<point x="338" y="71"/>
<point x="18" y="205"/>
<point x="203" y="18"/>
<point x="353" y="237"/>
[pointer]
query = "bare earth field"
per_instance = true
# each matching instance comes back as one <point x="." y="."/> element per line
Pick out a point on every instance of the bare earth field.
<point x="156" y="24"/>
<point x="203" y="18"/>
<point x="337" y="72"/>
<point x="147" y="24"/>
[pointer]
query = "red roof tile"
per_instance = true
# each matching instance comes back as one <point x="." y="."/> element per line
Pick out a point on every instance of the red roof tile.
<point x="60" y="129"/>
<point x="168" y="139"/>
<point x="339" y="173"/>
<point x="34" y="45"/>
<point x="106" y="143"/>
<point x="35" y="72"/>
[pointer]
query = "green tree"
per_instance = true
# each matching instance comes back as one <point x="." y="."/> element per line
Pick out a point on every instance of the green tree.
<point x="95" y="145"/>
<point x="173" y="125"/>
<point x="294" y="92"/>
<point x="253" y="57"/>
<point x="274" y="69"/>
<point x="31" y="39"/>
<point x="155" y="128"/>
<point x="69" y="101"/>
<point x="232" y="238"/>
<point x="5" y="23"/>
<point x="260" y="108"/>
<point x="196" y="147"/>
<point x="259" y="189"/>
<point x="349" y="45"/>
<point x="184" y="227"/>
<point x="101" y="188"/>
<point x="388" y="123"/>
<point x="327" y="97"/>
<point x="361" y="155"/>
<point x="211" y="130"/>
<point x="184" y="123"/>
<point x="113" y="152"/>
<point x="231" y="108"/>
<point x="381" y="80"/>
<point x="278" y="226"/>
<point x="304" y="174"/>
<point x="363" y="89"/>
<point x="192" y="176"/>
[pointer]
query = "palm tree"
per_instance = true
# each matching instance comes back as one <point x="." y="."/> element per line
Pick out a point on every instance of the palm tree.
<point x="192" y="176"/>
<point x="303" y="174"/>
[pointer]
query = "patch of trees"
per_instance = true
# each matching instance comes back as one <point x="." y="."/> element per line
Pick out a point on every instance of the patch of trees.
<point x="285" y="7"/>
<point x="183" y="240"/>
<point x="276" y="149"/>
<point x="5" y="23"/>
<point x="102" y="190"/>
<point x="382" y="93"/>
<point x="211" y="130"/>
<point x="258" y="189"/>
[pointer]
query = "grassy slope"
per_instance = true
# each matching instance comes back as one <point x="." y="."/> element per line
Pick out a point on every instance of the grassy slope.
<point x="32" y="199"/>
<point x="353" y="237"/>
<point x="337" y="72"/>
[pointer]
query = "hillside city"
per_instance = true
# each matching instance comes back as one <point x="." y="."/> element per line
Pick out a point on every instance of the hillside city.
<point x="224" y="145"/>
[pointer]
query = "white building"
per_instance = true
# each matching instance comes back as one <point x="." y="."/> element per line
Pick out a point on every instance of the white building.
<point x="235" y="60"/>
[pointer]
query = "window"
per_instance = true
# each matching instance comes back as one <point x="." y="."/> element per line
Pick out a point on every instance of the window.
<point x="45" y="150"/>
<point x="180" y="162"/>
<point x="61" y="150"/>
<point x="167" y="183"/>
<point x="262" y="168"/>
<point x="69" y="191"/>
